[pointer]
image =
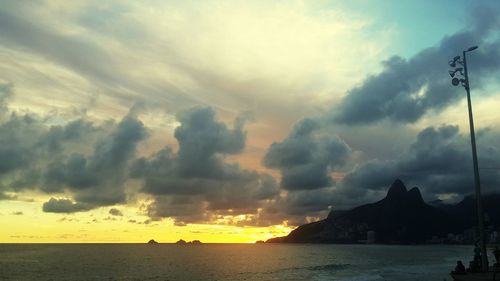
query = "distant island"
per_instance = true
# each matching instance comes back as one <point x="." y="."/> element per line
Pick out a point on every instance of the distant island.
<point x="402" y="217"/>
<point x="183" y="242"/>
<point x="152" y="241"/>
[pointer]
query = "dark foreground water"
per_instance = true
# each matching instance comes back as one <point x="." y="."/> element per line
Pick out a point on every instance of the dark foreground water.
<point x="227" y="262"/>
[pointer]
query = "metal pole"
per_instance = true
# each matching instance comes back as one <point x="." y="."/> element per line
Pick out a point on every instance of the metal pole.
<point x="477" y="185"/>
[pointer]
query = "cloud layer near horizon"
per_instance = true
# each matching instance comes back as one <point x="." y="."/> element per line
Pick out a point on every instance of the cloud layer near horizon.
<point x="196" y="184"/>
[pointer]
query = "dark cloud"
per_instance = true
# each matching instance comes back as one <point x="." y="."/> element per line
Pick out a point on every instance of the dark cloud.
<point x="293" y="208"/>
<point x="372" y="174"/>
<point x="64" y="206"/>
<point x="99" y="179"/>
<point x="18" y="213"/>
<point x="196" y="183"/>
<point x="5" y="94"/>
<point x="90" y="162"/>
<point x="439" y="162"/>
<point x="75" y="130"/>
<point x="115" y="212"/>
<point x="201" y="139"/>
<point x="306" y="158"/>
<point x="406" y="89"/>
<point x="183" y="209"/>
<point x="15" y="149"/>
<point x="27" y="145"/>
<point x="304" y="202"/>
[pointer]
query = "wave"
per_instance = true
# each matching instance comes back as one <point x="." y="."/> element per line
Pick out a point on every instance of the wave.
<point x="363" y="278"/>
<point x="329" y="267"/>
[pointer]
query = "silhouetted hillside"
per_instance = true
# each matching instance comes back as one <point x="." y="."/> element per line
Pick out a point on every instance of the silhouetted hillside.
<point x="465" y="212"/>
<point x="401" y="217"/>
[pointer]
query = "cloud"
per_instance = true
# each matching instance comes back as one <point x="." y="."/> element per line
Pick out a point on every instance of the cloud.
<point x="306" y="158"/>
<point x="66" y="219"/>
<point x="201" y="139"/>
<point x="64" y="206"/>
<point x="89" y="161"/>
<point x="123" y="52"/>
<point x="196" y="183"/>
<point x="18" y="213"/>
<point x="439" y="162"/>
<point x="89" y="59"/>
<point x="115" y="212"/>
<point x="5" y="94"/>
<point x="30" y="145"/>
<point x="91" y="164"/>
<point x="70" y="50"/>
<point x="99" y="179"/>
<point x="406" y="89"/>
<point x="19" y="136"/>
<point x="4" y="196"/>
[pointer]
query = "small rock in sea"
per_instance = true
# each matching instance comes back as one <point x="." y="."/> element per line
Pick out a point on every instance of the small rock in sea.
<point x="181" y="242"/>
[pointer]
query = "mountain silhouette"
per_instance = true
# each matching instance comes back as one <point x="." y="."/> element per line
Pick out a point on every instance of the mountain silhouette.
<point x="401" y="217"/>
<point x="466" y="210"/>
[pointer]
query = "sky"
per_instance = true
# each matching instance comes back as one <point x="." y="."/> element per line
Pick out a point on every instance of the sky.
<point x="234" y="121"/>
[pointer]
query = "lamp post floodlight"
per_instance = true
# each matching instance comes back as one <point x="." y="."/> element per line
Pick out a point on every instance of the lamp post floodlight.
<point x="477" y="183"/>
<point x="472" y="48"/>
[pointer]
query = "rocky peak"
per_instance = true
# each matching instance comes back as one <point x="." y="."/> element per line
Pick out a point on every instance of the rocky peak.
<point x="397" y="190"/>
<point x="398" y="194"/>
<point x="415" y="195"/>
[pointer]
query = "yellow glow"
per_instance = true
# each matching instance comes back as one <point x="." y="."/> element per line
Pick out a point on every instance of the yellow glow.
<point x="34" y="226"/>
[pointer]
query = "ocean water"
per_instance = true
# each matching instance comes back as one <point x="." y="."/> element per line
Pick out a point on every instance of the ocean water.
<point x="228" y="262"/>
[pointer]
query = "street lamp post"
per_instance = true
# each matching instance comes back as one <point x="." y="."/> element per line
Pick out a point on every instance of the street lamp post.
<point x="477" y="184"/>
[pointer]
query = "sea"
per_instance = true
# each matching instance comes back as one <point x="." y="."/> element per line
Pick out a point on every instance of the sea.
<point x="229" y="262"/>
